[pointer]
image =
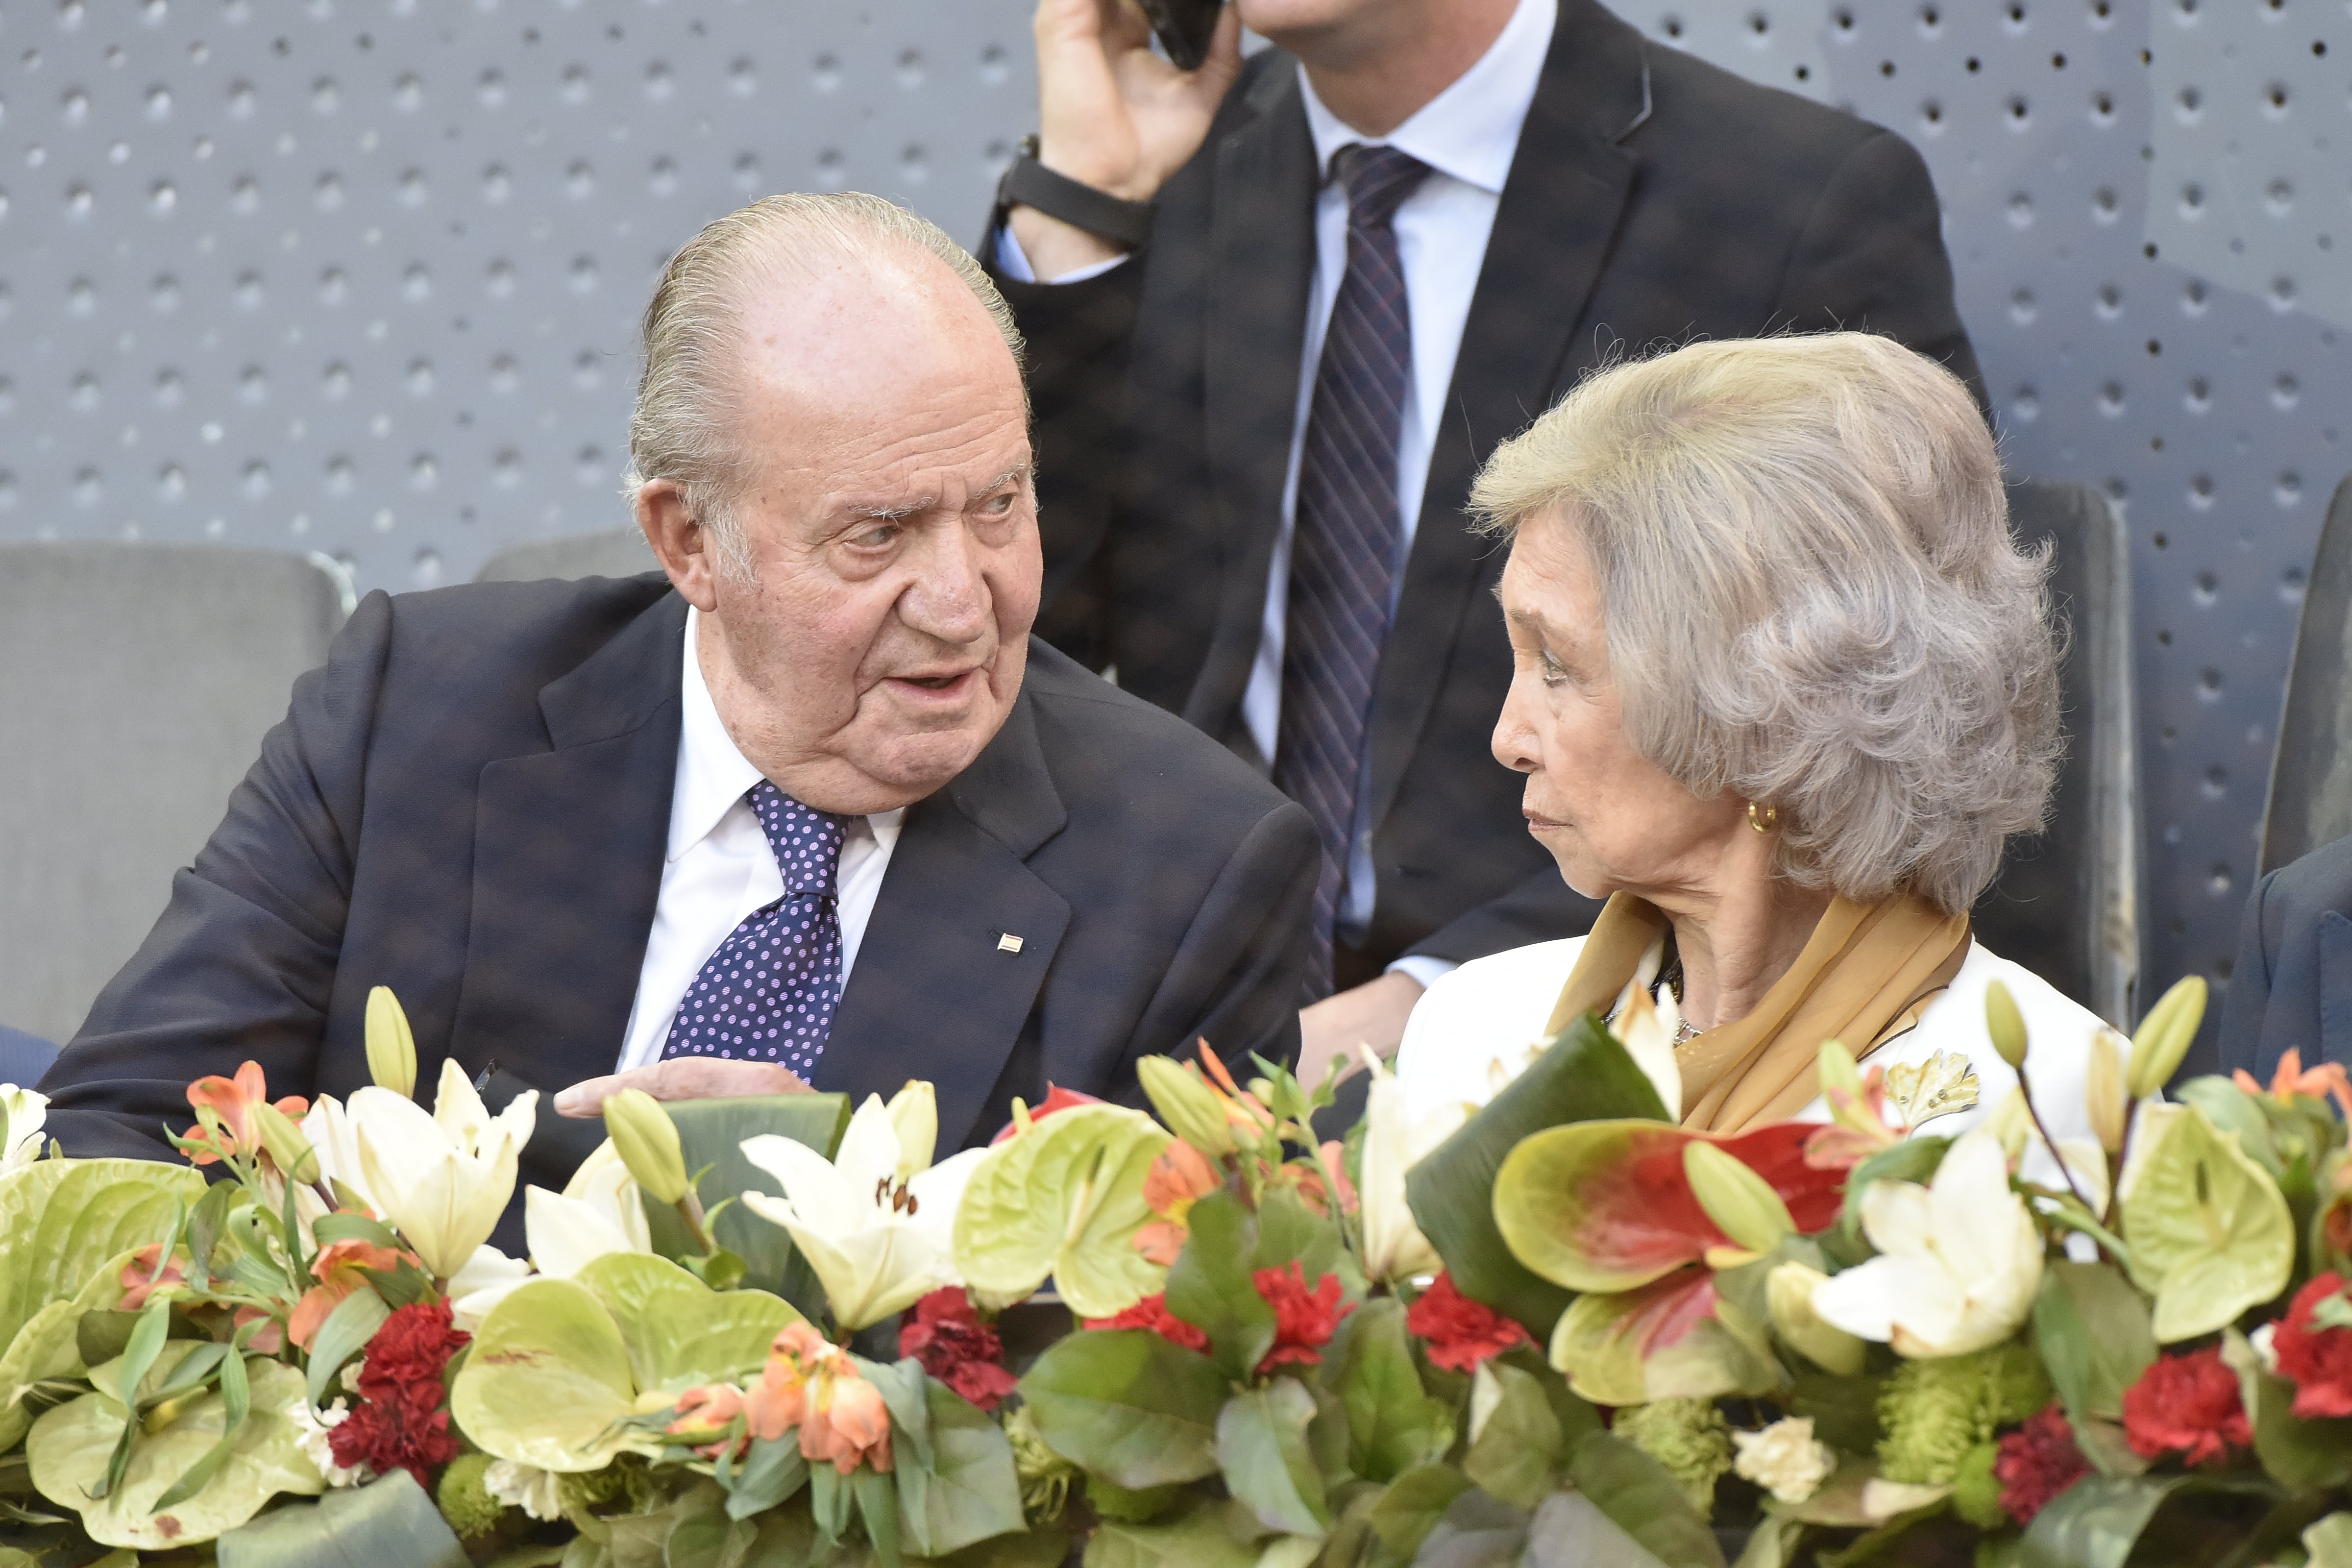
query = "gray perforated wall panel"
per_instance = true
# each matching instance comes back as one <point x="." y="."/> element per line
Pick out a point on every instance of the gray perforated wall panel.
<point x="360" y="277"/>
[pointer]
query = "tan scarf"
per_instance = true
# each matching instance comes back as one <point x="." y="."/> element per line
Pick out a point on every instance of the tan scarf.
<point x="1862" y="978"/>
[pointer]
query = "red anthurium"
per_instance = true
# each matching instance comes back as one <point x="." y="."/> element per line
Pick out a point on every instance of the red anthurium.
<point x="1607" y="1207"/>
<point x="1056" y="1098"/>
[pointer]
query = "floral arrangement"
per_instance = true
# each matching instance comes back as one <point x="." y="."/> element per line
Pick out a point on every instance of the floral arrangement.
<point x="1556" y="1328"/>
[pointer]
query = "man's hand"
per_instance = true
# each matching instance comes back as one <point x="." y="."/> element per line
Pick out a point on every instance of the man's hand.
<point x="681" y="1077"/>
<point x="1372" y="1014"/>
<point x="1113" y="115"/>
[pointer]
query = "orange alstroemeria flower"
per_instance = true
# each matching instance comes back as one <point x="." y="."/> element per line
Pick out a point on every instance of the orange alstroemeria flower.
<point x="142" y="1277"/>
<point x="232" y="1100"/>
<point x="2292" y="1079"/>
<point x="337" y="1268"/>
<point x="1179" y="1178"/>
<point x="815" y="1385"/>
<point x="1242" y="1108"/>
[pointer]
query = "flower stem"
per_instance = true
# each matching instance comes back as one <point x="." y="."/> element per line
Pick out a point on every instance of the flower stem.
<point x="689" y="1209"/>
<point x="2064" y="1173"/>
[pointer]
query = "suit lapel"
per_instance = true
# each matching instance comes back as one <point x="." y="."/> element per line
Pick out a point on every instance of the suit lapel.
<point x="936" y="994"/>
<point x="1569" y="182"/>
<point x="1260" y="267"/>
<point x="568" y="847"/>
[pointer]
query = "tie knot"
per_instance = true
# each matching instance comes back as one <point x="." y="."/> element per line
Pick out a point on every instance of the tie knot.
<point x="1378" y="180"/>
<point x="807" y="842"/>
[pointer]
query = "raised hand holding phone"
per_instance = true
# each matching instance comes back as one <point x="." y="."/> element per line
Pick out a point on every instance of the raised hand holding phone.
<point x="1114" y="115"/>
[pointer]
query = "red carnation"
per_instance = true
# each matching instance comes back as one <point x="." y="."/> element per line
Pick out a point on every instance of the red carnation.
<point x="2186" y="1405"/>
<point x="1152" y="1313"/>
<point x="2037" y="1462"/>
<point x="1303" y="1319"/>
<point x="2318" y="1359"/>
<point x="954" y="1346"/>
<point x="1462" y="1334"/>
<point x="399" y="1421"/>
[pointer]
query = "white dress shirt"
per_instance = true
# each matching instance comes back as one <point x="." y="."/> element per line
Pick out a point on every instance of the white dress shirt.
<point x="1467" y="135"/>
<point x="719" y="867"/>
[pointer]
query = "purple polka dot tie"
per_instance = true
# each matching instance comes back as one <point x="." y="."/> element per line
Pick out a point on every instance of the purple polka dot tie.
<point x="769" y="992"/>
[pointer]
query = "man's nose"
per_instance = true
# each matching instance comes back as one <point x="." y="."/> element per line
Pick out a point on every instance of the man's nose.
<point x="949" y="598"/>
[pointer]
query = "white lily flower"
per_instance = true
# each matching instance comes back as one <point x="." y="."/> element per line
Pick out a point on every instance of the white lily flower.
<point x="1960" y="1260"/>
<point x="332" y="1137"/>
<point x="1394" y="1141"/>
<point x="27" y="1109"/>
<point x="876" y="1221"/>
<point x="442" y="1180"/>
<point x="598" y="1213"/>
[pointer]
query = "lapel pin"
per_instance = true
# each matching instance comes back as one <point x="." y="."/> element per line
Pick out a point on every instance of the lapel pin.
<point x="1007" y="942"/>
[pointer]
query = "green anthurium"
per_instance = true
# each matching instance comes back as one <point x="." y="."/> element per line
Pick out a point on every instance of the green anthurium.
<point x="559" y="1363"/>
<point x="1674" y="1338"/>
<point x="63" y="1218"/>
<point x="71" y="1445"/>
<point x="2210" y="1233"/>
<point x="1063" y="1199"/>
<point x="48" y="1346"/>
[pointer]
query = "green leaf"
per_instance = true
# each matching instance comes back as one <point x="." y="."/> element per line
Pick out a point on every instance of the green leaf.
<point x="1210" y="1286"/>
<point x="1413" y="1504"/>
<point x="877" y="1504"/>
<point x="63" y="1218"/>
<point x="207" y="1222"/>
<point x="344" y="1335"/>
<point x="1570" y="1528"/>
<point x="1636" y="1493"/>
<point x="966" y="1490"/>
<point x="1261" y="1450"/>
<point x="710" y="1132"/>
<point x="2097" y="1522"/>
<point x="1126" y="1405"/>
<point x="548" y="1381"/>
<point x="1065" y="1199"/>
<point x="1478" y="1531"/>
<point x="681" y="1333"/>
<point x="1202" y="1539"/>
<point x="50" y="1345"/>
<point x="237" y="1404"/>
<point x="71" y="1445"/>
<point x="2091" y="1329"/>
<point x="333" y="1227"/>
<point x="2306" y="1456"/>
<point x="1289" y="1232"/>
<point x="2210" y="1233"/>
<point x="770" y="1472"/>
<point x="1517" y="1453"/>
<point x="388" y="1524"/>
<point x="1393" y="1424"/>
<point x="1584" y="1076"/>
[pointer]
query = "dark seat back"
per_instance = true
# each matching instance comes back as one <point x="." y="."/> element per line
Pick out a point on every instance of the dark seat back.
<point x="2311" y="768"/>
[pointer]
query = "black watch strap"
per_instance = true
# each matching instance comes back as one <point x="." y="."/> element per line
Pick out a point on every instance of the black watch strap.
<point x="1029" y="182"/>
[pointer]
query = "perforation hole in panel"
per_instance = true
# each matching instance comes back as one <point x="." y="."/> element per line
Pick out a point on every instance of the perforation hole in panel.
<point x="2147" y="205"/>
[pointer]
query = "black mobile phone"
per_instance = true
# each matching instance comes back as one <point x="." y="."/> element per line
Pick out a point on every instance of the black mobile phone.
<point x="1182" y="27"/>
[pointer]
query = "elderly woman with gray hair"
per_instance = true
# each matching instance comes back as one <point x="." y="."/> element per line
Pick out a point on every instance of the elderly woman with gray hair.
<point x="1783" y="686"/>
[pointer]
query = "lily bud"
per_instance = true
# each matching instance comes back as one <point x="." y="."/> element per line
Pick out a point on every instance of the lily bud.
<point x="1789" y="1297"/>
<point x="1189" y="1107"/>
<point x="647" y="1141"/>
<point x="2103" y="1089"/>
<point x="2006" y="1025"/>
<point x="915" y="1117"/>
<point x="1742" y="1203"/>
<point x="391" y="1048"/>
<point x="288" y="1148"/>
<point x="2011" y="1125"/>
<point x="2164" y="1036"/>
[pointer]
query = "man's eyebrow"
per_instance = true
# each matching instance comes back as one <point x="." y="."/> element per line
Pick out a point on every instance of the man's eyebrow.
<point x="890" y="511"/>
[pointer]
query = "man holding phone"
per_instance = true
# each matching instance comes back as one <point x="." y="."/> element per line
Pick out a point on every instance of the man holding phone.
<point x="1278" y="313"/>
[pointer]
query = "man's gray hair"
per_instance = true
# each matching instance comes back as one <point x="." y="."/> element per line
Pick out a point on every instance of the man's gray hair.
<point x="1813" y="598"/>
<point x="686" y="427"/>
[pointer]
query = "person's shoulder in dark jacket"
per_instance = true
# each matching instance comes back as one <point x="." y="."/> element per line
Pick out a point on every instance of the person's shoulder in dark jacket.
<point x="2291" y="987"/>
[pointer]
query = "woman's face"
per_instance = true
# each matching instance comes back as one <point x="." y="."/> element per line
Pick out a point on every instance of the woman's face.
<point x="1614" y="820"/>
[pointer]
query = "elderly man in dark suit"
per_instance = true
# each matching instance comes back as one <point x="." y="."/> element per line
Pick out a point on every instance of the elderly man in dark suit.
<point x="1281" y="310"/>
<point x="811" y="808"/>
<point x="2291" y="988"/>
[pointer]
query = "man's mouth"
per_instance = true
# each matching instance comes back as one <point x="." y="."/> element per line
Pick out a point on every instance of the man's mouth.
<point x="948" y="683"/>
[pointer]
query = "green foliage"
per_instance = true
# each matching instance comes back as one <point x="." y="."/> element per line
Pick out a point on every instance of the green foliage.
<point x="1210" y="1287"/>
<point x="1645" y="1499"/>
<point x="1128" y="1404"/>
<point x="1932" y="1413"/>
<point x="1262" y="1448"/>
<point x="1689" y="1438"/>
<point x="711" y="1134"/>
<point x="2092" y="1331"/>
<point x="1519" y="1444"/>
<point x="1131" y="1505"/>
<point x="2210" y="1233"/>
<point x="1204" y="1537"/>
<point x="1393" y="1424"/>
<point x="1585" y="1075"/>
<point x="388" y="1524"/>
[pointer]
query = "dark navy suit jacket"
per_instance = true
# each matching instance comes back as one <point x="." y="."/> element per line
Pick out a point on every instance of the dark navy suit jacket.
<point x="2292" y="986"/>
<point x="470" y="803"/>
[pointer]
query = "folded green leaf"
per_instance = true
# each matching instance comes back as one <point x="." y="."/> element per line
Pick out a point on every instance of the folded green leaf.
<point x="344" y="1335"/>
<point x="388" y="1524"/>
<point x="1210" y="1287"/>
<point x="1128" y="1405"/>
<point x="768" y="1473"/>
<point x="1518" y="1448"/>
<point x="1585" y="1075"/>
<point x="710" y="1134"/>
<point x="1263" y="1450"/>
<point x="2098" y="1520"/>
<point x="1202" y="1539"/>
<point x="2091" y="1330"/>
<point x="1413" y="1504"/>
<point x="966" y="1490"/>
<point x="1392" y="1424"/>
<point x="1636" y="1493"/>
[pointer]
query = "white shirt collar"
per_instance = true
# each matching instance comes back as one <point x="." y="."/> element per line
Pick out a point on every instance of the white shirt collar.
<point x="1471" y="129"/>
<point x="713" y="773"/>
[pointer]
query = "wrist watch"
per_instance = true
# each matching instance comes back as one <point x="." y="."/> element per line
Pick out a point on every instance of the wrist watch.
<point x="1029" y="182"/>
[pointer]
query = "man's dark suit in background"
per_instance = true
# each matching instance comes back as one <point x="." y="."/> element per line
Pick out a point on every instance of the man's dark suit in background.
<point x="2291" y="989"/>
<point x="468" y="803"/>
<point x="1653" y="199"/>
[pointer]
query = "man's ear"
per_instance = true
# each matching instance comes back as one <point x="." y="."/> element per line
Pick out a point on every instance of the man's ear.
<point x="679" y="542"/>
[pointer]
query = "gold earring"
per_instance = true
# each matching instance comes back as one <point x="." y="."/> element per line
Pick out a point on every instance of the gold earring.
<point x="1763" y="821"/>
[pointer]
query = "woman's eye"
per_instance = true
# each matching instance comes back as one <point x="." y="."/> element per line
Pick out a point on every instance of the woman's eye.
<point x="1553" y="673"/>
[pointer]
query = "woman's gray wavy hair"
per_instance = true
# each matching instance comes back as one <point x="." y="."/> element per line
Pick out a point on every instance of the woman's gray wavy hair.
<point x="1813" y="598"/>
<point x="685" y="427"/>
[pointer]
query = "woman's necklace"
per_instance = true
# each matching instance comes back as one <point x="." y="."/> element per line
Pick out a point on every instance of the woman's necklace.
<point x="1670" y="983"/>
